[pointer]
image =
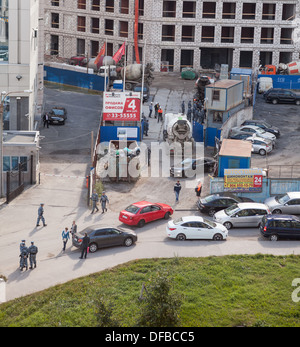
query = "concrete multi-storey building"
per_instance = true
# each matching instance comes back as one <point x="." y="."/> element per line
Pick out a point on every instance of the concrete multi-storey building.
<point x="243" y="33"/>
<point x="21" y="66"/>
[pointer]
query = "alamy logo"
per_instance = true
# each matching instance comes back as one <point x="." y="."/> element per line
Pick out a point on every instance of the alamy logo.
<point x="295" y="296"/>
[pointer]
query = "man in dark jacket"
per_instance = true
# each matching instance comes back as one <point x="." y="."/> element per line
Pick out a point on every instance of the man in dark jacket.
<point x="177" y="188"/>
<point x="84" y="246"/>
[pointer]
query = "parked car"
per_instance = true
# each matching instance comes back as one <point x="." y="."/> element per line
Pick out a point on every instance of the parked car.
<point x="193" y="227"/>
<point x="283" y="96"/>
<point x="57" y="115"/>
<point x="189" y="167"/>
<point x="239" y="136"/>
<point x="251" y="130"/>
<point x="286" y="203"/>
<point x="266" y="93"/>
<point x="146" y="94"/>
<point x="216" y="202"/>
<point x="143" y="212"/>
<point x="264" y="125"/>
<point x="260" y="145"/>
<point x="244" y="214"/>
<point x="280" y="226"/>
<point x="101" y="237"/>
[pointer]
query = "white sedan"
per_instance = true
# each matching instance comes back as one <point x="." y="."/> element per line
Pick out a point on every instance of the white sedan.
<point x="193" y="227"/>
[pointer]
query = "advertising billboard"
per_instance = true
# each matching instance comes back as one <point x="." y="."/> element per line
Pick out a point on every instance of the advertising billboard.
<point x="122" y="106"/>
<point x="243" y="180"/>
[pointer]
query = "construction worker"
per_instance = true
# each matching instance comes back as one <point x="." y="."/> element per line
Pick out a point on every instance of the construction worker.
<point x="198" y="188"/>
<point x="160" y="112"/>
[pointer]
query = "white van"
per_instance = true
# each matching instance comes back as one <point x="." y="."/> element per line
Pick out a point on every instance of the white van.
<point x="264" y="84"/>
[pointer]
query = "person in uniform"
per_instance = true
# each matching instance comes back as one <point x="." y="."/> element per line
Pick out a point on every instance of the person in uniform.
<point x="32" y="250"/>
<point x="22" y="247"/>
<point x="95" y="199"/>
<point x="84" y="246"/>
<point x="198" y="188"/>
<point x="40" y="216"/>
<point x="104" y="200"/>
<point x="24" y="258"/>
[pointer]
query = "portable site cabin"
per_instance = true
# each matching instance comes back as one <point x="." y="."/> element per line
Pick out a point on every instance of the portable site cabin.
<point x="234" y="154"/>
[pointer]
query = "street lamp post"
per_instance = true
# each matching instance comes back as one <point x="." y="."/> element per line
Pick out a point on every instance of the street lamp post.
<point x="5" y="95"/>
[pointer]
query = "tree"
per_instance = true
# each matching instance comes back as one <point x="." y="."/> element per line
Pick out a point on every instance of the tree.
<point x="160" y="307"/>
<point x="104" y="313"/>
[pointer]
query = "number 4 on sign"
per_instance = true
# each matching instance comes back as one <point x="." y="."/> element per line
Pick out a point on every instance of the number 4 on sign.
<point x="132" y="105"/>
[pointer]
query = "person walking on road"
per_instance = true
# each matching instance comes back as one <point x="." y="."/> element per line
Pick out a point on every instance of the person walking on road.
<point x="32" y="250"/>
<point x="104" y="200"/>
<point x="177" y="189"/>
<point x="150" y="109"/>
<point x="73" y="228"/>
<point x="65" y="237"/>
<point x="156" y="107"/>
<point x="95" y="199"/>
<point x="160" y="117"/>
<point x="146" y="127"/>
<point x="198" y="188"/>
<point x="40" y="216"/>
<point x="84" y="246"/>
<point x="46" y="120"/>
<point x="183" y="107"/>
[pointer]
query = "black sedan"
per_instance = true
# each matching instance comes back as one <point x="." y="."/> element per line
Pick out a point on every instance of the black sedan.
<point x="101" y="237"/>
<point x="216" y="202"/>
<point x="189" y="167"/>
<point x="263" y="125"/>
<point x="57" y="115"/>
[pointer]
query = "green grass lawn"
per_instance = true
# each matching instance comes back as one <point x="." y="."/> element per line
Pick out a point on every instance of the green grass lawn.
<point x="217" y="291"/>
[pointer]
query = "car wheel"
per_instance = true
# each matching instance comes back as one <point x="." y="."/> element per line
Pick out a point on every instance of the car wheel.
<point x="167" y="215"/>
<point x="262" y="152"/>
<point x="218" y="237"/>
<point x="128" y="242"/>
<point x="276" y="211"/>
<point x="211" y="212"/>
<point x="273" y="237"/>
<point x="93" y="247"/>
<point x="227" y="225"/>
<point x="180" y="237"/>
<point x="141" y="223"/>
<point x="274" y="101"/>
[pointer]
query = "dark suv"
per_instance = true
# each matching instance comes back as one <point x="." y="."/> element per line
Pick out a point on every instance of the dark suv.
<point x="283" y="96"/>
<point x="275" y="226"/>
<point x="263" y="125"/>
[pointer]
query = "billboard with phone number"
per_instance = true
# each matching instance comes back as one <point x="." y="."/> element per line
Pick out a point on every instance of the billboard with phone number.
<point x="122" y="106"/>
<point x="243" y="180"/>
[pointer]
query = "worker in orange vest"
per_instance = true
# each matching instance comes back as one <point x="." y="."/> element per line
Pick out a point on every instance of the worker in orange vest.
<point x="159" y="117"/>
<point x="198" y="188"/>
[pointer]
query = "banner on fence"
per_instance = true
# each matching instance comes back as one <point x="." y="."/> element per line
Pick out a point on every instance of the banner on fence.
<point x="243" y="180"/>
<point x="122" y="106"/>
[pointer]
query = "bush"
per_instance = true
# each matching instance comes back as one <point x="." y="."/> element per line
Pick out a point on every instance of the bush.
<point x="160" y="307"/>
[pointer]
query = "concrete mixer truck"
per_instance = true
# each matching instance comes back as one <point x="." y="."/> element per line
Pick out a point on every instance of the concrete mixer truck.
<point x="178" y="129"/>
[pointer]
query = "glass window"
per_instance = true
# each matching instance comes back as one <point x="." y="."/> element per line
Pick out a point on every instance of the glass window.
<point x="3" y="31"/>
<point x="23" y="162"/>
<point x="6" y="163"/>
<point x="14" y="163"/>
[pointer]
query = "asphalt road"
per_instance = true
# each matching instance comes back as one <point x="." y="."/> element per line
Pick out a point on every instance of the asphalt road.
<point x="65" y="160"/>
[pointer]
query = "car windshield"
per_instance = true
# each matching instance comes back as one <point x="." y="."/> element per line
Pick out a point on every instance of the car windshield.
<point x="210" y="223"/>
<point x="283" y="199"/>
<point x="178" y="221"/>
<point x="58" y="112"/>
<point x="209" y="198"/>
<point x="186" y="161"/>
<point x="231" y="210"/>
<point x="132" y="209"/>
<point x="260" y="130"/>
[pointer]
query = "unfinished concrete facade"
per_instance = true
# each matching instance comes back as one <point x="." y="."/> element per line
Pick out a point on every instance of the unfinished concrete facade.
<point x="182" y="33"/>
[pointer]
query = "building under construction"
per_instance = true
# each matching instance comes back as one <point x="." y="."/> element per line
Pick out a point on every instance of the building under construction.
<point x="176" y="34"/>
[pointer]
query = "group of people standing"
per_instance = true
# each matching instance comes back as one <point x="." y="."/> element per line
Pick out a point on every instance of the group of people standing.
<point x="177" y="189"/>
<point x="28" y="252"/>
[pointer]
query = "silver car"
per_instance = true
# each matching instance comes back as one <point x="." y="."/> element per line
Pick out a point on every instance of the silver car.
<point x="244" y="214"/>
<point x="260" y="145"/>
<point x="288" y="203"/>
<point x="251" y="130"/>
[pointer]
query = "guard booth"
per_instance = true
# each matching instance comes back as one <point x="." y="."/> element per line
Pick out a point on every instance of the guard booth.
<point x="234" y="154"/>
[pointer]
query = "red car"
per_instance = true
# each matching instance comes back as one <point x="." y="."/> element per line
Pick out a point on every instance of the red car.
<point x="143" y="212"/>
